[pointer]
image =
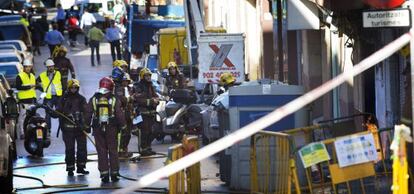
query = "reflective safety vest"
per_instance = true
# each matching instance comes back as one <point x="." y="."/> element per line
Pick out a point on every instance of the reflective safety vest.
<point x="27" y="79"/>
<point x="56" y="83"/>
<point x="104" y="108"/>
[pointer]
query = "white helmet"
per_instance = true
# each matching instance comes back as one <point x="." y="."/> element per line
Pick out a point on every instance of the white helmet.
<point x="27" y="62"/>
<point x="49" y="63"/>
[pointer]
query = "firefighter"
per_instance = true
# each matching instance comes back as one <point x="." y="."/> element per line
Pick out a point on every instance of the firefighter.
<point x="73" y="105"/>
<point x="117" y="76"/>
<point x="51" y="89"/>
<point x="129" y="113"/>
<point x="174" y="80"/>
<point x="25" y="84"/>
<point x="106" y="114"/>
<point x="147" y="100"/>
<point x="226" y="81"/>
<point x="63" y="65"/>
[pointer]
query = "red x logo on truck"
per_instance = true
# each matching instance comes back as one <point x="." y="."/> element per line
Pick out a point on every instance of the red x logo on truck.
<point x="221" y="55"/>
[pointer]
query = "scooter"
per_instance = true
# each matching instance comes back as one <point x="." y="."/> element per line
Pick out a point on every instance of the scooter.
<point x="36" y="130"/>
<point x="178" y="115"/>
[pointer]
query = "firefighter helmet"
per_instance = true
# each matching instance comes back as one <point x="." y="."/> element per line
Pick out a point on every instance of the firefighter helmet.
<point x="172" y="64"/>
<point x="143" y="72"/>
<point x="126" y="77"/>
<point x="73" y="83"/>
<point x="119" y="63"/>
<point x="226" y="79"/>
<point x="58" y="50"/>
<point x="117" y="74"/>
<point x="106" y="85"/>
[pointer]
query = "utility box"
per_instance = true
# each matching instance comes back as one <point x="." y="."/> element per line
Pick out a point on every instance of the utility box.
<point x="248" y="103"/>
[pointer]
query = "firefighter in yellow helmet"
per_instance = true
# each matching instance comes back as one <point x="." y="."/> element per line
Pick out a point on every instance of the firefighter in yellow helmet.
<point x="73" y="105"/>
<point x="121" y="64"/>
<point x="25" y="84"/>
<point x="63" y="65"/>
<point x="146" y="98"/>
<point x="174" y="80"/>
<point x="227" y="80"/>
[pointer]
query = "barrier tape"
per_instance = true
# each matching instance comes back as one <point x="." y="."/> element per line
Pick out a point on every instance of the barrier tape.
<point x="269" y="119"/>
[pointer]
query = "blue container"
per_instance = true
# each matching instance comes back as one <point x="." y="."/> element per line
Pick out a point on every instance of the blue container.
<point x="171" y="10"/>
<point x="152" y="62"/>
<point x="143" y="31"/>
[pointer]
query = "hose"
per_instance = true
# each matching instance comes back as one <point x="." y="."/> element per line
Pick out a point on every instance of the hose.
<point x="46" y="186"/>
<point x="145" y="190"/>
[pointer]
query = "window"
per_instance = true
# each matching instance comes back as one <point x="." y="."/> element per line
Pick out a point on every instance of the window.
<point x="12" y="32"/>
<point x="93" y="7"/>
<point x="15" y="44"/>
<point x="8" y="70"/>
<point x="9" y="59"/>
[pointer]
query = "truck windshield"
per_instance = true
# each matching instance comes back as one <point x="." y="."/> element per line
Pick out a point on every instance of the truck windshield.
<point x="94" y="7"/>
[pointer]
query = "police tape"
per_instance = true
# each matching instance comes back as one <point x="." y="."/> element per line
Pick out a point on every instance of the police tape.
<point x="269" y="119"/>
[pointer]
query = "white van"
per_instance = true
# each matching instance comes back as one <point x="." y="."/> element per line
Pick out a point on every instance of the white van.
<point x="99" y="8"/>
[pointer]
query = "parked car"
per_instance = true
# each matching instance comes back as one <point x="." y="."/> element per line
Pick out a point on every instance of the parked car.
<point x="11" y="28"/>
<point x="12" y="48"/>
<point x="10" y="70"/>
<point x="10" y="57"/>
<point x="20" y="46"/>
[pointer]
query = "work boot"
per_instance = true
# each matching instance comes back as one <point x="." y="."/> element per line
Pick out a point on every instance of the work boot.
<point x="82" y="171"/>
<point x="114" y="178"/>
<point x="70" y="173"/>
<point x="147" y="152"/>
<point x="105" y="178"/>
<point x="125" y="154"/>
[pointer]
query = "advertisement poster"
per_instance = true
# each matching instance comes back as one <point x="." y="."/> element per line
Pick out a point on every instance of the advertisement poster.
<point x="313" y="153"/>
<point x="355" y="149"/>
<point x="220" y="54"/>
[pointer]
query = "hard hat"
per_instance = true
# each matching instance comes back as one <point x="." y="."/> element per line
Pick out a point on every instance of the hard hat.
<point x="27" y="62"/>
<point x="106" y="85"/>
<point x="126" y="77"/>
<point x="226" y="79"/>
<point x="73" y="83"/>
<point x="49" y="63"/>
<point x="119" y="63"/>
<point x="143" y="72"/>
<point x="59" y="49"/>
<point x="172" y="64"/>
<point x="117" y="74"/>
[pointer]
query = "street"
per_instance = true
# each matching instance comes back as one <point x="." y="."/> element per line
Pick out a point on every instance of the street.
<point x="56" y="175"/>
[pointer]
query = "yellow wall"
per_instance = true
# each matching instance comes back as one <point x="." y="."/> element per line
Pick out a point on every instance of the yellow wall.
<point x="170" y="39"/>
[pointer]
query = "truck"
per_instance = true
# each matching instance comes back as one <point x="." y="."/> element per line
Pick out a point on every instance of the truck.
<point x="212" y="52"/>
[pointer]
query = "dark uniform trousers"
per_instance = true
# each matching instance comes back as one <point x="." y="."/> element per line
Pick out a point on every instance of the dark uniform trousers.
<point x="147" y="136"/>
<point x="125" y="135"/>
<point x="70" y="136"/>
<point x="106" y="144"/>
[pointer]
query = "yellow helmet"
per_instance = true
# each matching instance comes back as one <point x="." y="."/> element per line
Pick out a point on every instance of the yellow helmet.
<point x="143" y="72"/>
<point x="119" y="63"/>
<point x="172" y="64"/>
<point x="227" y="79"/>
<point x="59" y="49"/>
<point x="73" y="83"/>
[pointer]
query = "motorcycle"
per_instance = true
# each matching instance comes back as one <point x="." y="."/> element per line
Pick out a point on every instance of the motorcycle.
<point x="36" y="131"/>
<point x="178" y="115"/>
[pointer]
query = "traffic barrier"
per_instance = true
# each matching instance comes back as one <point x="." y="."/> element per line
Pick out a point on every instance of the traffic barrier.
<point x="272" y="171"/>
<point x="189" y="179"/>
<point x="400" y="165"/>
<point x="327" y="175"/>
